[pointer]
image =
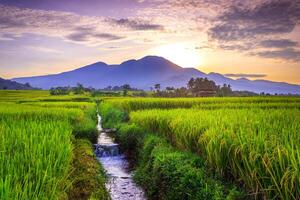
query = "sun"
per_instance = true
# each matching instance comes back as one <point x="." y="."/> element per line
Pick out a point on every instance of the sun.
<point x="182" y="54"/>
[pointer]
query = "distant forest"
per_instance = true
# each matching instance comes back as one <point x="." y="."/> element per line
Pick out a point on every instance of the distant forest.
<point x="196" y="87"/>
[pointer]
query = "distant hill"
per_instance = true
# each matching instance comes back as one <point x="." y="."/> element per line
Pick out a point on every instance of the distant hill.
<point x="146" y="72"/>
<point x="12" y="85"/>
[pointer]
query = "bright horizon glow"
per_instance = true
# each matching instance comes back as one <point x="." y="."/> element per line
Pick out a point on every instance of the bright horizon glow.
<point x="179" y="53"/>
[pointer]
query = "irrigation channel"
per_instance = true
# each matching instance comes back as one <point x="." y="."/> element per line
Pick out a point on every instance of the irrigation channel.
<point x="120" y="183"/>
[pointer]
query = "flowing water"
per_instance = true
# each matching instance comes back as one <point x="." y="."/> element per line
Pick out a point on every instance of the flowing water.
<point x="120" y="184"/>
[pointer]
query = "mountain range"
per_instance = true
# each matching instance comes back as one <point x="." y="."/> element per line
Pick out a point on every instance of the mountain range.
<point x="12" y="85"/>
<point x="146" y="72"/>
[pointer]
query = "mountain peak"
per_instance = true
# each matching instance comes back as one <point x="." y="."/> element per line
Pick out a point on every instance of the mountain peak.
<point x="156" y="59"/>
<point x="91" y="67"/>
<point x="128" y="62"/>
<point x="152" y="57"/>
<point x="149" y="58"/>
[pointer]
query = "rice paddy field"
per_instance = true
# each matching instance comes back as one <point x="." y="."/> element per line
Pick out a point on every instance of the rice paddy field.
<point x="252" y="142"/>
<point x="202" y="148"/>
<point x="37" y="138"/>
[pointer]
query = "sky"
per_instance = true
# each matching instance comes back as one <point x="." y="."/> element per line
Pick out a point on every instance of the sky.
<point x="258" y="39"/>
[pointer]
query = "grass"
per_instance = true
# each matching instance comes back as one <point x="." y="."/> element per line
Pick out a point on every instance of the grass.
<point x="132" y="104"/>
<point x="15" y="95"/>
<point x="169" y="174"/>
<point x="88" y="176"/>
<point x="251" y="141"/>
<point x="42" y="153"/>
<point x="259" y="148"/>
<point x="35" y="158"/>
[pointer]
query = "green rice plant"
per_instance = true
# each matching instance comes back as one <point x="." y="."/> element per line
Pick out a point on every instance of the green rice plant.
<point x="133" y="104"/>
<point x="169" y="174"/>
<point x="16" y="95"/>
<point x="35" y="157"/>
<point x="36" y="149"/>
<point x="81" y="105"/>
<point x="257" y="147"/>
<point x="111" y="116"/>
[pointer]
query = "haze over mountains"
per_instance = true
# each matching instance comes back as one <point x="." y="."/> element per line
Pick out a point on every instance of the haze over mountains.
<point x="146" y="72"/>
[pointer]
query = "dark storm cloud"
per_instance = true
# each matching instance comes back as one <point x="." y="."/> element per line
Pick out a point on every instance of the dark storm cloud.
<point x="268" y="18"/>
<point x="136" y="24"/>
<point x="283" y="43"/>
<point x="83" y="34"/>
<point x="284" y="54"/>
<point x="246" y="75"/>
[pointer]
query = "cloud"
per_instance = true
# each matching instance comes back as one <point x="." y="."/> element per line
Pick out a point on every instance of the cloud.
<point x="268" y="18"/>
<point x="14" y="20"/>
<point x="44" y="49"/>
<point x="136" y="24"/>
<point x="245" y="75"/>
<point x="70" y="26"/>
<point x="249" y="28"/>
<point x="282" y="43"/>
<point x="237" y="47"/>
<point x="84" y="34"/>
<point x="289" y="54"/>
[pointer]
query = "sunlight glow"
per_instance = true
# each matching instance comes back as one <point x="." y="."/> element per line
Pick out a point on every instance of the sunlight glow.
<point x="182" y="54"/>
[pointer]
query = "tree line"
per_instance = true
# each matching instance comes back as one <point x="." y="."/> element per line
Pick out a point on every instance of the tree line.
<point x="200" y="87"/>
<point x="107" y="91"/>
<point x="196" y="87"/>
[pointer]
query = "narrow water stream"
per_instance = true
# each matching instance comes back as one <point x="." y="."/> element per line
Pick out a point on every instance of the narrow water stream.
<point x="120" y="184"/>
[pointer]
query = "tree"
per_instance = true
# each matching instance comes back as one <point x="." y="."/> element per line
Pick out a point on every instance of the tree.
<point x="157" y="87"/>
<point x="225" y="90"/>
<point x="191" y="83"/>
<point x="181" y="92"/>
<point x="79" y="89"/>
<point x="125" y="88"/>
<point x="170" y="89"/>
<point x="109" y="88"/>
<point x="60" y="91"/>
<point x="202" y="87"/>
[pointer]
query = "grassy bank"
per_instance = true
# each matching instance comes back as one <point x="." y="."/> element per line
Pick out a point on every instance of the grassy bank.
<point x="168" y="174"/>
<point x="88" y="177"/>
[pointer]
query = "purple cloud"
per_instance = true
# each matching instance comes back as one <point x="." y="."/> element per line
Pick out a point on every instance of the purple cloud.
<point x="136" y="24"/>
<point x="284" y="54"/>
<point x="84" y="34"/>
<point x="282" y="43"/>
<point x="268" y="18"/>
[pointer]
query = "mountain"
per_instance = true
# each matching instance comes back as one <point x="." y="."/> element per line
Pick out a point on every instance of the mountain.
<point x="146" y="72"/>
<point x="12" y="85"/>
